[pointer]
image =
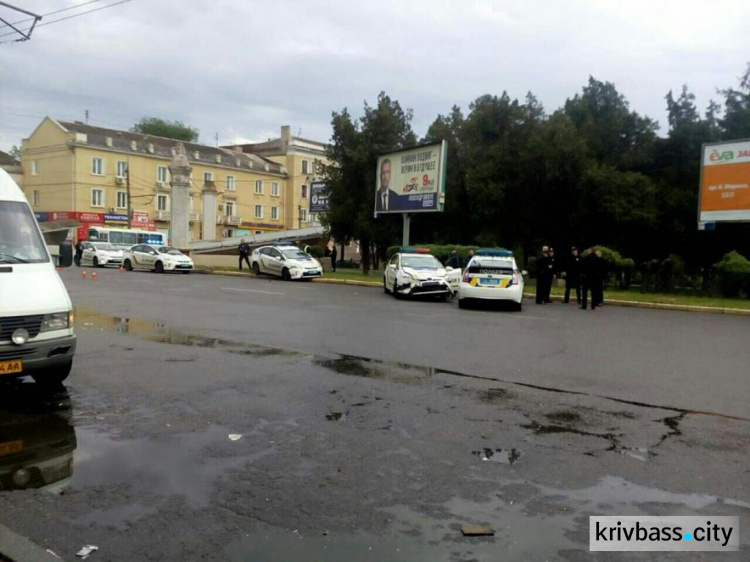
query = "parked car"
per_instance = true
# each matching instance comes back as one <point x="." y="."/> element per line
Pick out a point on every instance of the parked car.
<point x="100" y="254"/>
<point x="156" y="258"/>
<point x="414" y="271"/>
<point x="285" y="261"/>
<point x="492" y="274"/>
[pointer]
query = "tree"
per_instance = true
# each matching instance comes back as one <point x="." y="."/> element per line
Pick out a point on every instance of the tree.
<point x="169" y="129"/>
<point x="353" y="152"/>
<point x="736" y="121"/>
<point x="15" y="152"/>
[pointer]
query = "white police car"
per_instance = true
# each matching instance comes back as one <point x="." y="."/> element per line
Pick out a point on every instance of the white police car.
<point x="156" y="258"/>
<point x="414" y="271"/>
<point x="99" y="254"/>
<point x="492" y="274"/>
<point x="286" y="261"/>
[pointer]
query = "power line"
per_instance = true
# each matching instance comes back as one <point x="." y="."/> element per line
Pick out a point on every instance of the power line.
<point x="57" y="11"/>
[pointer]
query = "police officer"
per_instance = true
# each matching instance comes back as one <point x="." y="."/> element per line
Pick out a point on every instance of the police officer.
<point x="543" y="276"/>
<point x="244" y="250"/>
<point x="573" y="276"/>
<point x="593" y="278"/>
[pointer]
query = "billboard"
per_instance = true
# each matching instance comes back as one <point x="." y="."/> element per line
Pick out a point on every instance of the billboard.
<point x="412" y="180"/>
<point x="319" y="197"/>
<point x="725" y="183"/>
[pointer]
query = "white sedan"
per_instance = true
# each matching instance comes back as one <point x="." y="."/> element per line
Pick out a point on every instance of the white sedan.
<point x="287" y="262"/>
<point x="491" y="274"/>
<point x="156" y="258"/>
<point x="414" y="272"/>
<point x="100" y="254"/>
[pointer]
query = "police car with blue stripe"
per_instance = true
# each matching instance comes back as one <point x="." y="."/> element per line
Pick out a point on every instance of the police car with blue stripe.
<point x="491" y="274"/>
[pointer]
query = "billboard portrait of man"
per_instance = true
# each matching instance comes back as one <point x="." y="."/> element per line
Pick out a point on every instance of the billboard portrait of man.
<point x="384" y="197"/>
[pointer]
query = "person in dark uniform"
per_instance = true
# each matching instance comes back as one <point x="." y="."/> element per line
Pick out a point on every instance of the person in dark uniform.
<point x="79" y="253"/>
<point x="334" y="256"/>
<point x="542" y="275"/>
<point x="454" y="260"/>
<point x="552" y="274"/>
<point x="592" y="278"/>
<point x="244" y="250"/>
<point x="573" y="276"/>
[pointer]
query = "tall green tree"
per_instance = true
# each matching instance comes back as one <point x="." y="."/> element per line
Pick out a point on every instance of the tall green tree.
<point x="170" y="129"/>
<point x="736" y="121"/>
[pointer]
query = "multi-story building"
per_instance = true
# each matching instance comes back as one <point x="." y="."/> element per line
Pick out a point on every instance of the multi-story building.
<point x="108" y="177"/>
<point x="304" y="161"/>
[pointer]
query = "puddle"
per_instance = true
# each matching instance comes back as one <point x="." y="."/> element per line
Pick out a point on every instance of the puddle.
<point x="372" y="368"/>
<point x="120" y="517"/>
<point x="336" y="416"/>
<point x="494" y="395"/>
<point x="563" y="417"/>
<point x="502" y="456"/>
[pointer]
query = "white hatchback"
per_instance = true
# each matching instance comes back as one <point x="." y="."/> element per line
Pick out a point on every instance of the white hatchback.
<point x="156" y="258"/>
<point x="99" y="254"/>
<point x="491" y="274"/>
<point x="287" y="262"/>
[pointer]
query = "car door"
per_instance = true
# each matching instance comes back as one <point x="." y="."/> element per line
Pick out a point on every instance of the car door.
<point x="276" y="261"/>
<point x="265" y="260"/>
<point x="88" y="254"/>
<point x="136" y="256"/>
<point x="390" y="271"/>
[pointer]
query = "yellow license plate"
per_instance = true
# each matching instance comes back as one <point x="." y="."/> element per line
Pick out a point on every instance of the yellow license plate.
<point x="10" y="447"/>
<point x="10" y="367"/>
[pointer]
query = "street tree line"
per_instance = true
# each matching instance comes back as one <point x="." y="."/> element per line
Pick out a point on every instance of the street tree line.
<point x="592" y="172"/>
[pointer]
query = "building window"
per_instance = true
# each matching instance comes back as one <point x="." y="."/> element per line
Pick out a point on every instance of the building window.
<point x="274" y="213"/>
<point x="36" y="197"/>
<point x="122" y="199"/>
<point x="229" y="206"/>
<point x="230" y="183"/>
<point x="34" y="168"/>
<point x="259" y="187"/>
<point x="303" y="215"/>
<point x="208" y="176"/>
<point x="275" y="189"/>
<point x="97" y="166"/>
<point x="161" y="174"/>
<point x="304" y="191"/>
<point x="122" y="168"/>
<point x="259" y="211"/>
<point x="304" y="167"/>
<point x="97" y="198"/>
<point x="162" y="203"/>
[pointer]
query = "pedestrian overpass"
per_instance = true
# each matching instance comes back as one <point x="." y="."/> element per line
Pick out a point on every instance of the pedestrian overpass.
<point x="230" y="245"/>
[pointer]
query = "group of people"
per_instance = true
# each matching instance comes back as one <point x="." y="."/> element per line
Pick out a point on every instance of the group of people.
<point x="582" y="274"/>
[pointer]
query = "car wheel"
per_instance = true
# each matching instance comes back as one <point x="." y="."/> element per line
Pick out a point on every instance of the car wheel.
<point x="159" y="267"/>
<point x="185" y="272"/>
<point x="396" y="294"/>
<point x="95" y="262"/>
<point x="256" y="268"/>
<point x="285" y="275"/>
<point x="53" y="377"/>
<point x="385" y="287"/>
<point x="128" y="265"/>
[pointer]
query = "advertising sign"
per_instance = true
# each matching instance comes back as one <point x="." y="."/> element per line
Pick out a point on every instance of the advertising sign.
<point x="319" y="197"/>
<point x="725" y="183"/>
<point x="412" y="181"/>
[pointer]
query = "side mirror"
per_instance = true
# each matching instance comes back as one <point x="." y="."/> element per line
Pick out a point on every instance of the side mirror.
<point x="66" y="255"/>
<point x="449" y="268"/>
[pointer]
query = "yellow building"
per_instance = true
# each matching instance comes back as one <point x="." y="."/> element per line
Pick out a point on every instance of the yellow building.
<point x="104" y="177"/>
<point x="304" y="161"/>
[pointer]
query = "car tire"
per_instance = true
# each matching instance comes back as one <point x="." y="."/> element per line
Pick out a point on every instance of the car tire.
<point x="54" y="377"/>
<point x="256" y="268"/>
<point x="285" y="275"/>
<point x="128" y="266"/>
<point x="159" y="267"/>
<point x="95" y="262"/>
<point x="395" y="293"/>
<point x="385" y="288"/>
<point x="184" y="272"/>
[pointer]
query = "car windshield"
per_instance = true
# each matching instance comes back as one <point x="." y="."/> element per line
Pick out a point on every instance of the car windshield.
<point x="420" y="262"/>
<point x="105" y="246"/>
<point x="20" y="241"/>
<point x="294" y="253"/>
<point x="169" y="250"/>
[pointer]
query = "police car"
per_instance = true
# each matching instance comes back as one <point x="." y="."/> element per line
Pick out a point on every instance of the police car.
<point x="156" y="258"/>
<point x="492" y="274"/>
<point x="286" y="261"/>
<point x="100" y="254"/>
<point x="414" y="271"/>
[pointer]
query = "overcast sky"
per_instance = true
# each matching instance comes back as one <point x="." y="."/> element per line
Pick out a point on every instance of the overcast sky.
<point x="244" y="68"/>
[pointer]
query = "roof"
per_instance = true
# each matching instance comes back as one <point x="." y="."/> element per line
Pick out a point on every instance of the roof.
<point x="122" y="141"/>
<point x="7" y="160"/>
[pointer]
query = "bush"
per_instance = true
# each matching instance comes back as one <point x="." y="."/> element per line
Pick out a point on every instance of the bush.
<point x="317" y="251"/>
<point x="733" y="275"/>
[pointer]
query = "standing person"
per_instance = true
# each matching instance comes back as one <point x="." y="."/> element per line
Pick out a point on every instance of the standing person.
<point x="79" y="253"/>
<point x="469" y="255"/>
<point x="244" y="250"/>
<point x="602" y="276"/>
<point x="573" y="276"/>
<point x="334" y="256"/>
<point x="551" y="274"/>
<point x="542" y="273"/>
<point x="593" y="273"/>
<point x="453" y="260"/>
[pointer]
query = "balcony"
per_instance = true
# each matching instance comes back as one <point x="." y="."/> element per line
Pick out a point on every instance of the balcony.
<point x="164" y="216"/>
<point x="232" y="219"/>
<point x="194" y="217"/>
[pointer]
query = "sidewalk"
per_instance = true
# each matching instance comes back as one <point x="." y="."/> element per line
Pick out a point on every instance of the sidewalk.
<point x="608" y="302"/>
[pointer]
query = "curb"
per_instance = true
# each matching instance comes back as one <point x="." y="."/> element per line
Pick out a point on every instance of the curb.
<point x="628" y="304"/>
<point x="17" y="548"/>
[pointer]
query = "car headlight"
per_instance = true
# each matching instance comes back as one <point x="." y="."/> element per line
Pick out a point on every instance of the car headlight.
<point x="56" y="321"/>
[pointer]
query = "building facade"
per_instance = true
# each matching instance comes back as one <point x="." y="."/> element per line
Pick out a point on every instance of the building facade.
<point x="115" y="178"/>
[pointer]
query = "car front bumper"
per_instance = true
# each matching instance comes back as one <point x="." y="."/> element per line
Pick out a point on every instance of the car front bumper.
<point x="513" y="293"/>
<point x="414" y="288"/>
<point x="39" y="356"/>
<point x="305" y="273"/>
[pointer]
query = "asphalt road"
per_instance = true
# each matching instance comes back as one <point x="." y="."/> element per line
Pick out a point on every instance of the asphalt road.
<point x="225" y="418"/>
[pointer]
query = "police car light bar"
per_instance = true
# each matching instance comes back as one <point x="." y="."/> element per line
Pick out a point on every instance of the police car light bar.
<point x="494" y="252"/>
<point x="414" y="250"/>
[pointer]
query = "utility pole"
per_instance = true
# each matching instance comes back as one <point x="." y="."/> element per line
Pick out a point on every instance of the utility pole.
<point x="127" y="184"/>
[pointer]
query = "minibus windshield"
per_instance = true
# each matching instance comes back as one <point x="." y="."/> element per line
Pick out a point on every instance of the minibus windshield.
<point x="20" y="241"/>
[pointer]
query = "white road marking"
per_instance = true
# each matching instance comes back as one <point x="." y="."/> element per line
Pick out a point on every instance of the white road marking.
<point x="251" y="291"/>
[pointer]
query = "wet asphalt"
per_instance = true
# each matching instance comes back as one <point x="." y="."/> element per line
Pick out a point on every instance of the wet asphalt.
<point x="223" y="418"/>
